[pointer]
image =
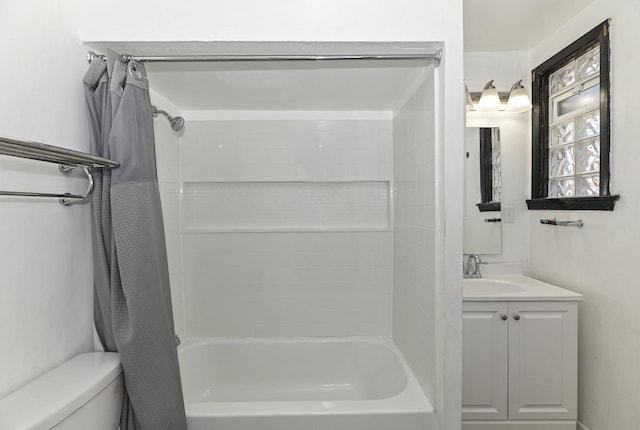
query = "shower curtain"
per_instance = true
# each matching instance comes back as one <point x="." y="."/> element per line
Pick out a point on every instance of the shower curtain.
<point x="132" y="303"/>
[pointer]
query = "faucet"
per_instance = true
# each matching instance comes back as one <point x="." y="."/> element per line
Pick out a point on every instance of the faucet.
<point x="475" y="259"/>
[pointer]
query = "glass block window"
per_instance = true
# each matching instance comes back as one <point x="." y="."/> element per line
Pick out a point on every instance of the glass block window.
<point x="570" y="127"/>
<point x="574" y="147"/>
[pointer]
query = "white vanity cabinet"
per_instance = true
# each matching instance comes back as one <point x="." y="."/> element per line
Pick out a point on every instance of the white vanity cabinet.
<point x="519" y="364"/>
<point x="485" y="360"/>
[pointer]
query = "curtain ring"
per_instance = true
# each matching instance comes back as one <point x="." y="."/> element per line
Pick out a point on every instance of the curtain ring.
<point x="133" y="71"/>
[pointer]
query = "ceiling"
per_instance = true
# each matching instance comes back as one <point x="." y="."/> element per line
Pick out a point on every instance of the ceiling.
<point x="345" y="85"/>
<point x="510" y="25"/>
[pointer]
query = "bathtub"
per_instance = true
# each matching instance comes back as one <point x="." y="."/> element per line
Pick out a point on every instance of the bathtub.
<point x="301" y="384"/>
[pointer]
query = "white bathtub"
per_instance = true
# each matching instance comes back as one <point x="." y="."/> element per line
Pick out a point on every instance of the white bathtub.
<point x="301" y="384"/>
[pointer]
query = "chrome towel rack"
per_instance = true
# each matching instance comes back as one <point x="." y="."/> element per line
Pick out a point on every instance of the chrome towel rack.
<point x="66" y="159"/>
<point x="577" y="223"/>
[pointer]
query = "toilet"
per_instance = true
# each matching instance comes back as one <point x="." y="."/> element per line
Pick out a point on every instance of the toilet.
<point x="80" y="394"/>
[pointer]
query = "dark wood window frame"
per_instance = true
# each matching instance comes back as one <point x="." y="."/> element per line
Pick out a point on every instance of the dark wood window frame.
<point x="540" y="126"/>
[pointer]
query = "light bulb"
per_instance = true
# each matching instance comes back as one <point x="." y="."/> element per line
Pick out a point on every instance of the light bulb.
<point x="518" y="99"/>
<point x="490" y="99"/>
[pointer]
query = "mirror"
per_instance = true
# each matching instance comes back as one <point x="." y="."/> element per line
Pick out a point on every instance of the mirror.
<point x="483" y="190"/>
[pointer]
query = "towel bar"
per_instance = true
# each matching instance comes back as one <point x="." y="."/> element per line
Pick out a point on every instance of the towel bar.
<point x="66" y="159"/>
<point x="577" y="223"/>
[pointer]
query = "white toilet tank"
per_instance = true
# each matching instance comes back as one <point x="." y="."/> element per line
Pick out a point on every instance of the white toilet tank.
<point x="84" y="393"/>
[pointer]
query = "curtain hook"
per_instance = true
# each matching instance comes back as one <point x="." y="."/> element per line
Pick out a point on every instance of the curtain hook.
<point x="133" y="70"/>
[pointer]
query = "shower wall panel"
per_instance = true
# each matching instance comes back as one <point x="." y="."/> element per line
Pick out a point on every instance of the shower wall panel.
<point x="287" y="284"/>
<point x="310" y="251"/>
<point x="286" y="150"/>
<point x="167" y="162"/>
<point x="415" y="227"/>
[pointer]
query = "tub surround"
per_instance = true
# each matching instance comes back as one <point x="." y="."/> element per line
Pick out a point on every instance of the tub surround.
<point x="320" y="221"/>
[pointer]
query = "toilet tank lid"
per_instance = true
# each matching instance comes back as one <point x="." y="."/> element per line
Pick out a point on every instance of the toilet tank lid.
<point x="52" y="397"/>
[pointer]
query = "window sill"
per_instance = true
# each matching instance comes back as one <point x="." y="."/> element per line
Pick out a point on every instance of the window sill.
<point x="488" y="207"/>
<point x="600" y="203"/>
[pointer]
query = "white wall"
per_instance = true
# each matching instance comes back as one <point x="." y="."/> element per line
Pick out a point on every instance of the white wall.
<point x="281" y="20"/>
<point x="415" y="232"/>
<point x="46" y="296"/>
<point x="515" y="138"/>
<point x="600" y="260"/>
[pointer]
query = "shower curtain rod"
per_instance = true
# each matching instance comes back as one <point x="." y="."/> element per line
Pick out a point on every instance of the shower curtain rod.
<point x="436" y="57"/>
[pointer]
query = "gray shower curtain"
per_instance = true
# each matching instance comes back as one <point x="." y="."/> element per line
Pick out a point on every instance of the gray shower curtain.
<point x="132" y="303"/>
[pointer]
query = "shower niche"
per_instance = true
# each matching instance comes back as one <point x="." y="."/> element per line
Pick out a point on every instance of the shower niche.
<point x="294" y="206"/>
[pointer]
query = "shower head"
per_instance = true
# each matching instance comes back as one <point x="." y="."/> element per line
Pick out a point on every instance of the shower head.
<point x="177" y="123"/>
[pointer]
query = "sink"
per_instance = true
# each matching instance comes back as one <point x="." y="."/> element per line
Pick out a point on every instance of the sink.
<point x="505" y="282"/>
<point x="490" y="287"/>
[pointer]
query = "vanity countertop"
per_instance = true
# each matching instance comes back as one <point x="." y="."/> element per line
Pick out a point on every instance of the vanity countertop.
<point x="512" y="286"/>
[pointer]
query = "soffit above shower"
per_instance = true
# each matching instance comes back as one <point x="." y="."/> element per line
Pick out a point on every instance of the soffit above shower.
<point x="346" y="85"/>
<point x="360" y="85"/>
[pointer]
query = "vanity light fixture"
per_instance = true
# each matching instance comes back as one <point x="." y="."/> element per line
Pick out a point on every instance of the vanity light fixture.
<point x="469" y="101"/>
<point x="518" y="99"/>
<point x="490" y="99"/>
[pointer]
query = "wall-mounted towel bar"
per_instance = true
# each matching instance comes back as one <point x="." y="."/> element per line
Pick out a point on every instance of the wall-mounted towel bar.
<point x="67" y="160"/>
<point x="553" y="221"/>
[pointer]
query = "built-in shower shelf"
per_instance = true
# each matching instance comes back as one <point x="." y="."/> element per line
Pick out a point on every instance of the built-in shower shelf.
<point x="289" y="229"/>
<point x="281" y="206"/>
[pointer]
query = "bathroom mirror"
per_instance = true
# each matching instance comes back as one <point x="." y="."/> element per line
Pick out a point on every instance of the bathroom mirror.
<point x="483" y="191"/>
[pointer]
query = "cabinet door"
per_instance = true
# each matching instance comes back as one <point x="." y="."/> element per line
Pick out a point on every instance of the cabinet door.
<point x="484" y="360"/>
<point x="543" y="355"/>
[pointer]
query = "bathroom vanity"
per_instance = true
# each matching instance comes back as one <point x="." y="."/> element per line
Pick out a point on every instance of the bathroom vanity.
<point x="520" y="350"/>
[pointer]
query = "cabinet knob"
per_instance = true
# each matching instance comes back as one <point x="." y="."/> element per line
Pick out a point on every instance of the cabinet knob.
<point x="504" y="317"/>
<point x="516" y="317"/>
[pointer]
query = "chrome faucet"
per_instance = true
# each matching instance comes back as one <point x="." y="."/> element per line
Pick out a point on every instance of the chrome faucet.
<point x="475" y="259"/>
